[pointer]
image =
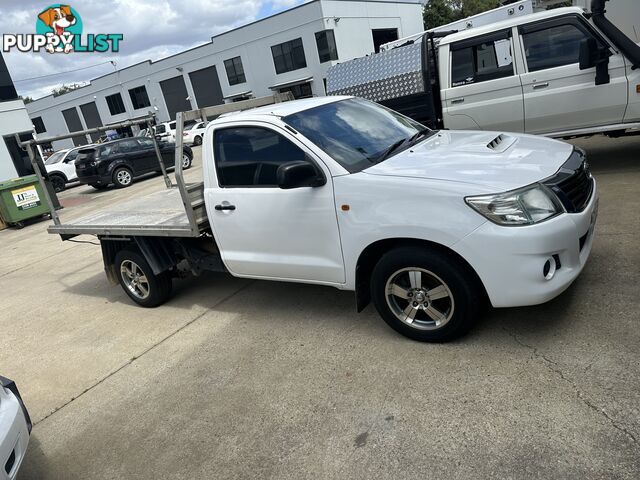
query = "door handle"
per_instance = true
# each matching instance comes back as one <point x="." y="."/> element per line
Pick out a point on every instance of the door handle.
<point x="457" y="100"/>
<point x="538" y="86"/>
<point x="225" y="207"/>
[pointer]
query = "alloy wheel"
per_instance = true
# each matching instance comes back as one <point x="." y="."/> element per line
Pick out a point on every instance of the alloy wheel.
<point x="123" y="177"/>
<point x="134" y="279"/>
<point x="419" y="298"/>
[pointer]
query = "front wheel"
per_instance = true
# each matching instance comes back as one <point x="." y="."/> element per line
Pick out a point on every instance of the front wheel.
<point x="425" y="295"/>
<point x="138" y="280"/>
<point x="99" y="186"/>
<point x="57" y="182"/>
<point x="197" y="141"/>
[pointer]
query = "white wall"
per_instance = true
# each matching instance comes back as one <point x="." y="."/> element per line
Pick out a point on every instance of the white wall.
<point x="253" y="44"/>
<point x="13" y="119"/>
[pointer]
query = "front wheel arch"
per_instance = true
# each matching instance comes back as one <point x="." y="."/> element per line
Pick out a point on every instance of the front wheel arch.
<point x="370" y="256"/>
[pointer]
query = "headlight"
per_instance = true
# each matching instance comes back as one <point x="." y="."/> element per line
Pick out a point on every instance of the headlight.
<point x="524" y="206"/>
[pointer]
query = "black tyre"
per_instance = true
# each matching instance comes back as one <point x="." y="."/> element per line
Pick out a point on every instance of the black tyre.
<point x="58" y="182"/>
<point x="138" y="280"/>
<point x="122" y="177"/>
<point x="197" y="140"/>
<point x="99" y="186"/>
<point x="425" y="295"/>
<point x="186" y="161"/>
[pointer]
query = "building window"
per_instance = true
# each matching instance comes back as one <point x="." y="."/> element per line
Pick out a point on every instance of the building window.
<point x="326" y="43"/>
<point x="38" y="124"/>
<point x="382" y="36"/>
<point x="114" y="102"/>
<point x="302" y="90"/>
<point x="139" y="97"/>
<point x="289" y="56"/>
<point x="235" y="72"/>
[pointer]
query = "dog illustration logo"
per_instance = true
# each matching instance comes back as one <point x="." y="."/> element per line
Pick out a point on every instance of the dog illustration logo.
<point x="59" y="20"/>
<point x="59" y="30"/>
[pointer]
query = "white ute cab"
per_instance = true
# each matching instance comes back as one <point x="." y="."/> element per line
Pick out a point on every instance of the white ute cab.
<point x="341" y="191"/>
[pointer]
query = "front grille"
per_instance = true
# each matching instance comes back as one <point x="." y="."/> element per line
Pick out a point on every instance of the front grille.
<point x="573" y="183"/>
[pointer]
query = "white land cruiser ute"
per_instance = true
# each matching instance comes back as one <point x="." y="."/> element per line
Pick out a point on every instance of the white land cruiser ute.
<point x="343" y="192"/>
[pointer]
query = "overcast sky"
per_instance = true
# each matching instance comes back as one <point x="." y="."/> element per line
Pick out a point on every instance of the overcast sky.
<point x="152" y="29"/>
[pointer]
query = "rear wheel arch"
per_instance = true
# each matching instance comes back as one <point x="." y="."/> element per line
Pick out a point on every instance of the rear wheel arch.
<point x="370" y="256"/>
<point x="59" y="174"/>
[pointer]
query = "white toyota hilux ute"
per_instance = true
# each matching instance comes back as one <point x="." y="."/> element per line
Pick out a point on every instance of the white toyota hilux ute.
<point x="343" y="192"/>
<point x="340" y="191"/>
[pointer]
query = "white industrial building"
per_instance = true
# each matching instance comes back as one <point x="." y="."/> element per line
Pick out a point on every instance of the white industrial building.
<point x="289" y="51"/>
<point x="14" y="120"/>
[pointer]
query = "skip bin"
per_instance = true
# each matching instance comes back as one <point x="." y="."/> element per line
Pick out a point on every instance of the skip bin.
<point x="21" y="199"/>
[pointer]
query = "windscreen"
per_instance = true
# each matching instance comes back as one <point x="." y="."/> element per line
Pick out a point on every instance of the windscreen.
<point x="55" y="158"/>
<point x="354" y="132"/>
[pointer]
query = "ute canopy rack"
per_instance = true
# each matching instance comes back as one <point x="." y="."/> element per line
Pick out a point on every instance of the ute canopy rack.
<point x="177" y="211"/>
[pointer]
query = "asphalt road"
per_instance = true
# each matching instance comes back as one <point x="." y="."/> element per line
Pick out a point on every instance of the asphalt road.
<point x="237" y="379"/>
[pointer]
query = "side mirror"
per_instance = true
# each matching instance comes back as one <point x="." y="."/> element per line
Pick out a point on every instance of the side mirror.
<point x="588" y="51"/>
<point x="299" y="174"/>
<point x="593" y="55"/>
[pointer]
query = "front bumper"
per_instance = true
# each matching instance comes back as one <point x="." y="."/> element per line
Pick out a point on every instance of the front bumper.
<point x="510" y="261"/>
<point x="15" y="427"/>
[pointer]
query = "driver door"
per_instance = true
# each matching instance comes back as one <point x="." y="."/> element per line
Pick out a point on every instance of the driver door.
<point x="261" y="229"/>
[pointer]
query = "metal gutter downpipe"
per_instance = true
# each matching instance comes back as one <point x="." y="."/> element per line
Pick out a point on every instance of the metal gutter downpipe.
<point x="620" y="40"/>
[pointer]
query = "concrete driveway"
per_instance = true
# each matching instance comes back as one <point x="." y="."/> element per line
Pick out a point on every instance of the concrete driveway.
<point x="238" y="379"/>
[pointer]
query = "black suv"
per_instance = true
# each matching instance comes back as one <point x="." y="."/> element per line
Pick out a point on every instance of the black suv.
<point x="118" y="162"/>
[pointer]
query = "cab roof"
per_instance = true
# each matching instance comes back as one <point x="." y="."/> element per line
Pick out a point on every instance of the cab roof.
<point x="282" y="109"/>
<point x="524" y="19"/>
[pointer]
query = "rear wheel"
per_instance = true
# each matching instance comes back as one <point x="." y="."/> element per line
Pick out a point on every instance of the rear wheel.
<point x="425" y="295"/>
<point x="99" y="186"/>
<point x="138" y="280"/>
<point x="57" y="182"/>
<point x="197" y="140"/>
<point x="186" y="161"/>
<point x="122" y="177"/>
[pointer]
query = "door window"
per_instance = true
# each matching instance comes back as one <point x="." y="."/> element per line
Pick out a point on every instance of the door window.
<point x="128" y="146"/>
<point x="250" y="156"/>
<point x="145" y="142"/>
<point x="553" y="47"/>
<point x="480" y="60"/>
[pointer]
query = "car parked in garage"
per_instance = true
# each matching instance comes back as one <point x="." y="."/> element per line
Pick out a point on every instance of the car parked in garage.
<point x="15" y="428"/>
<point x="61" y="167"/>
<point x="120" y="161"/>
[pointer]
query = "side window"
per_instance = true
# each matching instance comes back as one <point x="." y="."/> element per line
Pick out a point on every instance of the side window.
<point x="72" y="156"/>
<point x="145" y="142"/>
<point x="160" y="129"/>
<point x="250" y="156"/>
<point x="109" y="149"/>
<point x="553" y="47"/>
<point x="127" y="146"/>
<point x="480" y="60"/>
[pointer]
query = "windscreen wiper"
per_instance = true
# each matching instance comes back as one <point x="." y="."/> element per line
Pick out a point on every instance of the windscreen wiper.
<point x="385" y="154"/>
<point x="421" y="133"/>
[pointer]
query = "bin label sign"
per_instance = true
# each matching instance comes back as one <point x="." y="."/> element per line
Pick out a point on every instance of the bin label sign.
<point x="26" y="198"/>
